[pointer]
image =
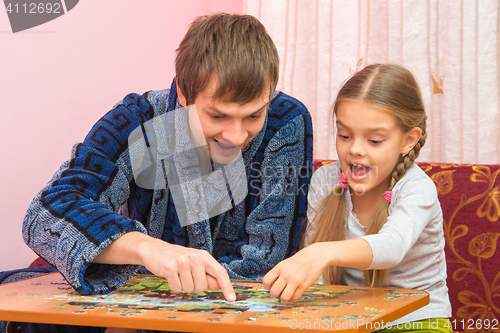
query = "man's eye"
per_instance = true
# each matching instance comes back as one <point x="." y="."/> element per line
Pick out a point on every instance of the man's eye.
<point x="255" y="116"/>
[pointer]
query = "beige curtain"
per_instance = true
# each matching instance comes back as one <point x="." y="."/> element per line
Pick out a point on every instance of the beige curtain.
<point x="452" y="47"/>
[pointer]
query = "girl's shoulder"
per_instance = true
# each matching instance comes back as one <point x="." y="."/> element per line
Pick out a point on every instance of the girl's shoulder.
<point x="324" y="180"/>
<point x="327" y="173"/>
<point x="416" y="181"/>
<point x="415" y="173"/>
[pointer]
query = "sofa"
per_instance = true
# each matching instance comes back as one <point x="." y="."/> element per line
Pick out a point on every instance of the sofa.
<point x="470" y="199"/>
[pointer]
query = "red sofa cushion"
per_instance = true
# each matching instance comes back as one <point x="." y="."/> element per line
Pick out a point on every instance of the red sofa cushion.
<point x="470" y="200"/>
<point x="38" y="262"/>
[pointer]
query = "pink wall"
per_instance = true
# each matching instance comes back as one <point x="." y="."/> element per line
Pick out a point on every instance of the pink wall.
<point x="58" y="79"/>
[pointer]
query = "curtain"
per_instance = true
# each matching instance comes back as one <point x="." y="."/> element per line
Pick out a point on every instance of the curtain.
<point x="452" y="48"/>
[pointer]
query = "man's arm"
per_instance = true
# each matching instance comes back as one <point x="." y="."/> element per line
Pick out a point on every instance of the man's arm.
<point x="74" y="222"/>
<point x="75" y="216"/>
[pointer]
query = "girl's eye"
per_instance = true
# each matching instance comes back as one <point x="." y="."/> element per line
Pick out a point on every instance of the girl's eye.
<point x="345" y="137"/>
<point x="376" y="142"/>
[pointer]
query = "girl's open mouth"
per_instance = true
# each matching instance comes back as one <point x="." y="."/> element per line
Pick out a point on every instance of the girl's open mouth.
<point x="358" y="171"/>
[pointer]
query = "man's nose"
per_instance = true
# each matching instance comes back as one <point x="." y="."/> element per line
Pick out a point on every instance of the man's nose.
<point x="235" y="133"/>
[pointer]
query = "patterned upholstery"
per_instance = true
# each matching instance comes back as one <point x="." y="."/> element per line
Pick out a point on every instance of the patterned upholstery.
<point x="470" y="199"/>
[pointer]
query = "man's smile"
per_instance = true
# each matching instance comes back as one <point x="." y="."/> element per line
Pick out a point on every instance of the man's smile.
<point x="226" y="148"/>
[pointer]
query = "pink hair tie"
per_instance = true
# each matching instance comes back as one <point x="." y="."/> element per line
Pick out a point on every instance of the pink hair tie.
<point x="388" y="195"/>
<point x="343" y="180"/>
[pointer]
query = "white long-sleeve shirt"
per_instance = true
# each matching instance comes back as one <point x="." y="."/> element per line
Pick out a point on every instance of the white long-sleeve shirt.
<point x="410" y="244"/>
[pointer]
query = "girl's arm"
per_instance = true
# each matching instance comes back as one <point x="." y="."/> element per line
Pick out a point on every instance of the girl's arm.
<point x="291" y="277"/>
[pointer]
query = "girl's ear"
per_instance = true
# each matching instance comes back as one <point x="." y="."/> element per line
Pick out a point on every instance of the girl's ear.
<point x="180" y="95"/>
<point x="411" y="139"/>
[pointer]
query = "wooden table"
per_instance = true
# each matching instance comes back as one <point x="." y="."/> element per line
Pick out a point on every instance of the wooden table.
<point x="146" y="302"/>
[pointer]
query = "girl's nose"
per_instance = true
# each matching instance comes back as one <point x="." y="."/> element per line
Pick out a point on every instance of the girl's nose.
<point x="357" y="148"/>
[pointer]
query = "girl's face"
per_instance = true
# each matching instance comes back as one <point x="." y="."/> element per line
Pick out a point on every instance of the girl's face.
<point x="369" y="142"/>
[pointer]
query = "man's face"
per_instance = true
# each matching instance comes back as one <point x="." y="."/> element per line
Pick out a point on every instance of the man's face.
<point x="228" y="127"/>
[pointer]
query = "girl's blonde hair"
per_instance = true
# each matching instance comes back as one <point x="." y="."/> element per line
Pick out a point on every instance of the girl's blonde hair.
<point x="393" y="89"/>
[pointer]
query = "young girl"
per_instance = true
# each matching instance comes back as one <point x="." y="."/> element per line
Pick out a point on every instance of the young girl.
<point x="374" y="216"/>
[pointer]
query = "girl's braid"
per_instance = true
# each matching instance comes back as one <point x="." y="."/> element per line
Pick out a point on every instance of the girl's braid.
<point x="407" y="160"/>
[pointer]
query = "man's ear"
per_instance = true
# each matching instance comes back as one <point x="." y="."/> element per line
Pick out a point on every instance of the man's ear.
<point x="180" y="95"/>
<point x="411" y="139"/>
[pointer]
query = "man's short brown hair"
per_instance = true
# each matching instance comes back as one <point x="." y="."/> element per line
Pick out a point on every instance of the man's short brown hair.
<point x="233" y="49"/>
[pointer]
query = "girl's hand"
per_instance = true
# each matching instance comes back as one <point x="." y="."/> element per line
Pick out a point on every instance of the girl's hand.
<point x="291" y="277"/>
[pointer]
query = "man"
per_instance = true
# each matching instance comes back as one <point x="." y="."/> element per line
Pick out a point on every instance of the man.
<point x="98" y="224"/>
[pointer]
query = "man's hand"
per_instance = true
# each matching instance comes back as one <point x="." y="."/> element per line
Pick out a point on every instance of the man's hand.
<point x="186" y="269"/>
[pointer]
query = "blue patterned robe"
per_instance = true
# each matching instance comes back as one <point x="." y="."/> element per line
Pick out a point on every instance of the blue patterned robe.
<point x="93" y="199"/>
